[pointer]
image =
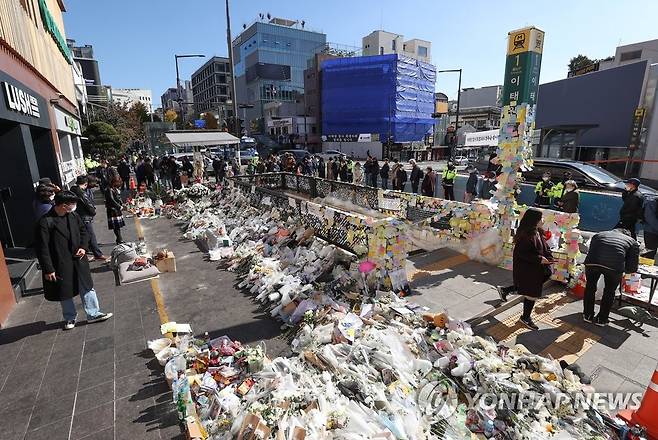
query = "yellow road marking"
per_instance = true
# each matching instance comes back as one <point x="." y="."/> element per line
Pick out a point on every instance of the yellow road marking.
<point x="155" y="286"/>
<point x="447" y="263"/>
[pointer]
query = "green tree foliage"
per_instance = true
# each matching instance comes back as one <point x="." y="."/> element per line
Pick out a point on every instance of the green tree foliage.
<point x="102" y="140"/>
<point x="579" y="61"/>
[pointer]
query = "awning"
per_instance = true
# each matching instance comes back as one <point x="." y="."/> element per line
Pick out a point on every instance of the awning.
<point x="201" y="138"/>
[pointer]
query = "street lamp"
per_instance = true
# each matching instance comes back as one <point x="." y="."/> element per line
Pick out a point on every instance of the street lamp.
<point x="180" y="97"/>
<point x="459" y="92"/>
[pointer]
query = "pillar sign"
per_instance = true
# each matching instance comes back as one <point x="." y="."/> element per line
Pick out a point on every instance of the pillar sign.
<point x="524" y="49"/>
<point x="517" y="121"/>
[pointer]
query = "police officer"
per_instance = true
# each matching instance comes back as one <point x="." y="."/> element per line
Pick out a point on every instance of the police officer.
<point x="544" y="191"/>
<point x="448" y="181"/>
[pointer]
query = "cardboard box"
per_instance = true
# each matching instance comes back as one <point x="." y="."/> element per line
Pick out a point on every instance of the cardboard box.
<point x="167" y="264"/>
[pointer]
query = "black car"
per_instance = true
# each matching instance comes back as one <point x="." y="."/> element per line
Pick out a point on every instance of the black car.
<point x="586" y="175"/>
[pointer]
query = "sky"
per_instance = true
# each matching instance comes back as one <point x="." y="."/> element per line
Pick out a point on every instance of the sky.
<point x="135" y="40"/>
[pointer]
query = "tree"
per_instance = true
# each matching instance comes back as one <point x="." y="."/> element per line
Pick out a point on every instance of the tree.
<point x="102" y="140"/>
<point x="211" y="121"/>
<point x="170" y="115"/>
<point x="579" y="61"/>
<point x="138" y="112"/>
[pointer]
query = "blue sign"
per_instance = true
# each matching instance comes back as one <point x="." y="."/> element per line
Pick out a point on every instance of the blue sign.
<point x="200" y="123"/>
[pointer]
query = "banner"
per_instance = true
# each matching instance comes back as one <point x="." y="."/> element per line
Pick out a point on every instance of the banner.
<point x="482" y="138"/>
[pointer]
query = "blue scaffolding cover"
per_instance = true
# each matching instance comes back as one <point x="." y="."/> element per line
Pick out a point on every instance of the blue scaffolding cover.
<point x="378" y="94"/>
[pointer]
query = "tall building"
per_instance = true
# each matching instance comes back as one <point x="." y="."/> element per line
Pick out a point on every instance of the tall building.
<point x="478" y="107"/>
<point x="270" y="57"/>
<point x="39" y="122"/>
<point x="97" y="94"/>
<point x="384" y="43"/>
<point x="169" y="99"/>
<point x="313" y="97"/>
<point x="211" y="87"/>
<point x="128" y="97"/>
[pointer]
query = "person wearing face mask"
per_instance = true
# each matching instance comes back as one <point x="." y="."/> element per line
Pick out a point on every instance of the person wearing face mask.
<point x="61" y="240"/>
<point x="570" y="198"/>
<point x="631" y="210"/>
<point x="544" y="191"/>
<point x="87" y="211"/>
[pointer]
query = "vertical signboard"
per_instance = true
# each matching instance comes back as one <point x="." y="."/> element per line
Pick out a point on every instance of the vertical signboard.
<point x="519" y="100"/>
<point x="636" y="129"/>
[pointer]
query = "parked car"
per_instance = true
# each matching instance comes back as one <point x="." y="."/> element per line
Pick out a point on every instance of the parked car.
<point x="298" y="154"/>
<point x="586" y="175"/>
<point x="461" y="162"/>
<point x="247" y="155"/>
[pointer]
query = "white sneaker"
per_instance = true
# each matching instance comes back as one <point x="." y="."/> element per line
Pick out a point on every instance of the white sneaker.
<point x="69" y="325"/>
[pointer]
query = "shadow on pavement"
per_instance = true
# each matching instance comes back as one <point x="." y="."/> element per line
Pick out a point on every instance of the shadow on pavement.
<point x="12" y="334"/>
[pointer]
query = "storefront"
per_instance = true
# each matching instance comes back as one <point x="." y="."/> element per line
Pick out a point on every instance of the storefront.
<point x="28" y="153"/>
<point x="70" y="150"/>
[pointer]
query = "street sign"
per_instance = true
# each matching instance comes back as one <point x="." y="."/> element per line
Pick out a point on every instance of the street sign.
<point x="594" y="67"/>
<point x="524" y="51"/>
<point x="636" y="129"/>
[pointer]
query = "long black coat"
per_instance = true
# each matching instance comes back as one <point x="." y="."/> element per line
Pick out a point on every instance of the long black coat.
<point x="56" y="247"/>
<point x="529" y="273"/>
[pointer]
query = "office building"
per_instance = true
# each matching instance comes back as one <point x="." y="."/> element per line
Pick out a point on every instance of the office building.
<point x="270" y="57"/>
<point x="39" y="124"/>
<point x="312" y="98"/>
<point x="97" y="94"/>
<point x="211" y="88"/>
<point x="169" y="99"/>
<point x="478" y="107"/>
<point x="384" y="43"/>
<point x="129" y="97"/>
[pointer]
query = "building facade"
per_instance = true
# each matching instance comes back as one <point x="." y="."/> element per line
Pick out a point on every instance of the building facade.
<point x="211" y="88"/>
<point x="478" y="107"/>
<point x="97" y="94"/>
<point x="39" y="123"/>
<point x="313" y="98"/>
<point x="169" y="99"/>
<point x="385" y="43"/>
<point x="270" y="58"/>
<point x="129" y="97"/>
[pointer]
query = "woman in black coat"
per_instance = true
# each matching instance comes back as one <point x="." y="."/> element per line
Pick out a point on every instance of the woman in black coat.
<point x="114" y="206"/>
<point x="532" y="259"/>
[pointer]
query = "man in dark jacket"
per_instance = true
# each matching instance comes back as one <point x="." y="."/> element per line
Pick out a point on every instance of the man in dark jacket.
<point x="416" y="176"/>
<point x="374" y="172"/>
<point x="60" y="242"/>
<point x="124" y="172"/>
<point x="544" y="191"/>
<point x="86" y="209"/>
<point x="471" y="184"/>
<point x="400" y="177"/>
<point x="383" y="173"/>
<point x="631" y="211"/>
<point x="611" y="254"/>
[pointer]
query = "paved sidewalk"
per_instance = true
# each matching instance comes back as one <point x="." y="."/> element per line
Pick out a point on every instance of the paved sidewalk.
<point x="96" y="381"/>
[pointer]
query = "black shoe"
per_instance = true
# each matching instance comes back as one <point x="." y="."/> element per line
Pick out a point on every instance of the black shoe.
<point x="528" y="323"/>
<point x="502" y="294"/>
<point x="100" y="317"/>
<point x="601" y="322"/>
<point x="588" y="318"/>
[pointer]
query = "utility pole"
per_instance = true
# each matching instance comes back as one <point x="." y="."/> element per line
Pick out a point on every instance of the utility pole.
<point x="229" y="43"/>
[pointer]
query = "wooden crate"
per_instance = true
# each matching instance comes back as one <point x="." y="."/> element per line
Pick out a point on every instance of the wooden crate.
<point x="167" y="264"/>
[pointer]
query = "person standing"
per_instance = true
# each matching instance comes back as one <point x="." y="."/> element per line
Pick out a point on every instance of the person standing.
<point x="374" y="174"/>
<point x="416" y="176"/>
<point x="357" y="174"/>
<point x="570" y="198"/>
<point x="650" y="223"/>
<point x="471" y="184"/>
<point x="367" y="169"/>
<point x="631" y="210"/>
<point x="149" y="172"/>
<point x="330" y="169"/>
<point x="140" y="171"/>
<point x="560" y="188"/>
<point x="217" y="168"/>
<point x="448" y="181"/>
<point x="114" y="206"/>
<point x="400" y="177"/>
<point x="343" y="172"/>
<point x="174" y="173"/>
<point x="611" y="254"/>
<point x="384" y="173"/>
<point x="544" y="191"/>
<point x="322" y="168"/>
<point x="188" y="168"/>
<point x="429" y="183"/>
<point x="488" y="185"/>
<point x="61" y="240"/>
<point x="124" y="172"/>
<point x="531" y="264"/>
<point x="86" y="209"/>
<point x="43" y="200"/>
